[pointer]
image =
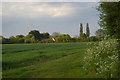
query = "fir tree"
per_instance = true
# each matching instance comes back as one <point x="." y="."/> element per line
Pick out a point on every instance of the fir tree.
<point x="81" y="30"/>
<point x="87" y="30"/>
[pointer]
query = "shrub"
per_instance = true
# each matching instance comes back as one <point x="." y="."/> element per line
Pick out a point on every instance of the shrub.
<point x="64" y="38"/>
<point x="102" y="59"/>
<point x="47" y="41"/>
<point x="83" y="39"/>
<point x="93" y="38"/>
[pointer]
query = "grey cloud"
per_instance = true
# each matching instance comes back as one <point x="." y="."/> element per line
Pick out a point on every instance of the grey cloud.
<point x="13" y="25"/>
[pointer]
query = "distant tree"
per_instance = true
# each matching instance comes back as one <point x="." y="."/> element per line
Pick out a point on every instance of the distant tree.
<point x="84" y="35"/>
<point x="100" y="33"/>
<point x="5" y="40"/>
<point x="47" y="41"/>
<point x="64" y="38"/>
<point x="81" y="30"/>
<point x="45" y="35"/>
<point x="13" y="39"/>
<point x="36" y="34"/>
<point x="93" y="38"/>
<point x="87" y="30"/>
<point x="1" y="39"/>
<point x="55" y="34"/>
<point x="19" y="36"/>
<point x="76" y="36"/>
<point x="30" y="38"/>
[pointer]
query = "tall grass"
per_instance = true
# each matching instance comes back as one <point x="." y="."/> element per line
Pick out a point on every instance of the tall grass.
<point x="54" y="60"/>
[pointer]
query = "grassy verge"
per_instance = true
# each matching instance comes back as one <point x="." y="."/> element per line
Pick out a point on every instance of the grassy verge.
<point x="59" y="60"/>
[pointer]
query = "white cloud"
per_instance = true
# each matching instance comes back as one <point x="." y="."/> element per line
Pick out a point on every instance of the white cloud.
<point x="34" y="10"/>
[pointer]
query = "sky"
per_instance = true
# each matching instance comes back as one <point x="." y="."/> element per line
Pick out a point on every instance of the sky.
<point x="64" y="17"/>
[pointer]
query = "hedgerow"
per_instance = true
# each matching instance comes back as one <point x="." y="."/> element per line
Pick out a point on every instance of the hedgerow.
<point x="102" y="59"/>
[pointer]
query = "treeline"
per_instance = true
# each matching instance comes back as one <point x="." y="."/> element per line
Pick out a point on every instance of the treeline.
<point x="35" y="36"/>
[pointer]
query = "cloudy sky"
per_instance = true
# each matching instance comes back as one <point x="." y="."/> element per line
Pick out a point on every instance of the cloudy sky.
<point x="21" y="17"/>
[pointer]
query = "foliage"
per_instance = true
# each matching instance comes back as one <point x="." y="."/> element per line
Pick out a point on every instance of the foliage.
<point x="55" y="34"/>
<point x="5" y="41"/>
<point x="93" y="38"/>
<point x="84" y="35"/>
<point x="81" y="30"/>
<point x="110" y="18"/>
<point x="36" y="34"/>
<point x="1" y="37"/>
<point x="30" y="38"/>
<point x="87" y="30"/>
<point x="12" y="38"/>
<point x="18" y="39"/>
<point x="64" y="38"/>
<point x="47" y="41"/>
<point x="102" y="59"/>
<point x="45" y="35"/>
<point x="19" y="36"/>
<point x="100" y="33"/>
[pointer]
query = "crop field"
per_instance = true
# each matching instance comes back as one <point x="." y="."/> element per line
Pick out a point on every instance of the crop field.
<point x="48" y="60"/>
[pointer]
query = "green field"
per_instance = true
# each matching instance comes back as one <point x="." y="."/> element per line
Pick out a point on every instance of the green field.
<point x="50" y="60"/>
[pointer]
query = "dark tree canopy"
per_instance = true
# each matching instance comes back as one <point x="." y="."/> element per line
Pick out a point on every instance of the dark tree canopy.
<point x="19" y="36"/>
<point x="45" y="35"/>
<point x="100" y="33"/>
<point x="30" y="38"/>
<point x="110" y="18"/>
<point x="36" y="34"/>
<point x="81" y="30"/>
<point x="64" y="38"/>
<point x="87" y="30"/>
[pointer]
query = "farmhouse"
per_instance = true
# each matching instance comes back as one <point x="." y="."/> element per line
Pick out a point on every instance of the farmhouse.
<point x="53" y="39"/>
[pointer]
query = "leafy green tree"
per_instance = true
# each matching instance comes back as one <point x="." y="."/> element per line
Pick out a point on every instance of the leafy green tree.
<point x="45" y="35"/>
<point x="64" y="38"/>
<point x="47" y="41"/>
<point x="36" y="34"/>
<point x="84" y="35"/>
<point x="13" y="39"/>
<point x="110" y="21"/>
<point x="55" y="34"/>
<point x="93" y="38"/>
<point x="5" y="40"/>
<point x="1" y="39"/>
<point x="20" y="38"/>
<point x="81" y="30"/>
<point x="100" y="33"/>
<point x="30" y="38"/>
<point x="87" y="30"/>
<point x="110" y="17"/>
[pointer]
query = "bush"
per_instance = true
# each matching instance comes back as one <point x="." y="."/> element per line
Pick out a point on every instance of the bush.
<point x="64" y="38"/>
<point x="47" y="41"/>
<point x="102" y="59"/>
<point x="83" y="39"/>
<point x="92" y="38"/>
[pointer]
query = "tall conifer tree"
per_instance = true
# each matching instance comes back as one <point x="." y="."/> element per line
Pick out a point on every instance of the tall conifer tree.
<point x="81" y="30"/>
<point x="87" y="30"/>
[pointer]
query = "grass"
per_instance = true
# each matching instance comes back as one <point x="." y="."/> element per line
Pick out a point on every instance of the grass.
<point x="53" y="60"/>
